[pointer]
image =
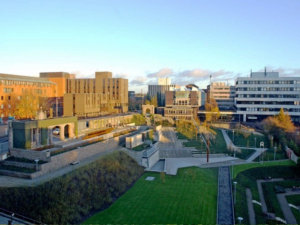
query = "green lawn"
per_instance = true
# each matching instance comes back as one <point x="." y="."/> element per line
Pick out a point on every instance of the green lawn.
<point x="217" y="145"/>
<point x="190" y="197"/>
<point x="269" y="155"/>
<point x="246" y="176"/>
<point x="244" y="153"/>
<point x="243" y="141"/>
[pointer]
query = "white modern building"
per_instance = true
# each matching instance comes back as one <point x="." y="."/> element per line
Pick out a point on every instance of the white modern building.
<point x="265" y="93"/>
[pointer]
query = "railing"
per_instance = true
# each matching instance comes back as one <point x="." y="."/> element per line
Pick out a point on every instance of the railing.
<point x="19" y="218"/>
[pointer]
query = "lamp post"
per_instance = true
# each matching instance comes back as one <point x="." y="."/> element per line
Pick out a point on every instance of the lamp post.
<point x="234" y="191"/>
<point x="231" y="170"/>
<point x="275" y="147"/>
<point x="233" y="137"/>
<point x="254" y="142"/>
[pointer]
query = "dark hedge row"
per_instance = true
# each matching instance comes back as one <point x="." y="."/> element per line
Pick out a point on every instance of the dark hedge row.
<point x="72" y="197"/>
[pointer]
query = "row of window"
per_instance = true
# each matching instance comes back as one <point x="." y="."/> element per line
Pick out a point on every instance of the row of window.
<point x="268" y="89"/>
<point x="268" y="82"/>
<point x="267" y="110"/>
<point x="267" y="96"/>
<point x="16" y="82"/>
<point x="267" y="103"/>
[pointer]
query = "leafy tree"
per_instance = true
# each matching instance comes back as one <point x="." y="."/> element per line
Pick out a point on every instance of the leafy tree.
<point x="212" y="111"/>
<point x="28" y="106"/>
<point x="153" y="101"/>
<point x="138" y="119"/>
<point x="9" y="105"/>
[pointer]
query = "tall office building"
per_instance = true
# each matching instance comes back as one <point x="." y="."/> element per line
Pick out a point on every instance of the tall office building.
<point x="223" y="94"/>
<point x="95" y="97"/>
<point x="265" y="93"/>
<point x="159" y="90"/>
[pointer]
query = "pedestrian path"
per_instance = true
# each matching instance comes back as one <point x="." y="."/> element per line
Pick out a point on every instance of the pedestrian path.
<point x="225" y="211"/>
<point x="250" y="207"/>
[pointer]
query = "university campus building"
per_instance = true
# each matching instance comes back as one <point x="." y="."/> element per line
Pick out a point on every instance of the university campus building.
<point x="94" y="97"/>
<point x="265" y="93"/>
<point x="13" y="87"/>
<point x="183" y="103"/>
<point x="223" y="93"/>
<point x="159" y="90"/>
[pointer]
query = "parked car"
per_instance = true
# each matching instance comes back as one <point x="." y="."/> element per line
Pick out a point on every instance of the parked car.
<point x="56" y="131"/>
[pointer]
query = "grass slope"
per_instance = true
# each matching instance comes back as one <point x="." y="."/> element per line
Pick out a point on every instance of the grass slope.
<point x="190" y="197"/>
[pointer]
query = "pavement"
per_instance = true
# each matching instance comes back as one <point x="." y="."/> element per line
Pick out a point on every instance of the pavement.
<point x="225" y="211"/>
<point x="285" y="208"/>
<point x="173" y="164"/>
<point x="251" y="211"/>
<point x="261" y="193"/>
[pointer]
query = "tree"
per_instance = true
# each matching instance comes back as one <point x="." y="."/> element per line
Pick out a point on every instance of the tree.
<point x="10" y="105"/>
<point x="285" y="121"/>
<point x="28" y="106"/>
<point x="138" y="119"/>
<point x="153" y="101"/>
<point x="212" y="111"/>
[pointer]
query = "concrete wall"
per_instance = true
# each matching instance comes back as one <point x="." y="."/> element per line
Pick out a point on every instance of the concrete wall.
<point x="28" y="154"/>
<point x="134" y="141"/>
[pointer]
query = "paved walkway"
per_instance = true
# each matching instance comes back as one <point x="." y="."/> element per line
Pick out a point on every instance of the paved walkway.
<point x="173" y="164"/>
<point x="261" y="194"/>
<point x="286" y="210"/>
<point x="229" y="144"/>
<point x="225" y="211"/>
<point x="250" y="207"/>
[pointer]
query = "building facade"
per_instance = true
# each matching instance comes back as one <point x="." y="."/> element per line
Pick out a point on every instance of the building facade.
<point x="102" y="95"/>
<point x="14" y="87"/>
<point x="159" y="90"/>
<point x="265" y="93"/>
<point x="223" y="93"/>
<point x="182" y="103"/>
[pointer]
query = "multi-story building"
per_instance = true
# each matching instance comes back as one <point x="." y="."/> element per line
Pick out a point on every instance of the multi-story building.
<point x="265" y="93"/>
<point x="60" y="78"/>
<point x="102" y="95"/>
<point x="14" y="87"/>
<point x="223" y="94"/>
<point x="182" y="103"/>
<point x="159" y="90"/>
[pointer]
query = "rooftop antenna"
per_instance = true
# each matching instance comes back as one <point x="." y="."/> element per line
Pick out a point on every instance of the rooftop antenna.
<point x="265" y="71"/>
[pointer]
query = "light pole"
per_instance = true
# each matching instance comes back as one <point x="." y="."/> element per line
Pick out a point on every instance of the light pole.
<point x="234" y="191"/>
<point x="240" y="219"/>
<point x="233" y="137"/>
<point x="254" y="142"/>
<point x="275" y="147"/>
<point x="231" y="170"/>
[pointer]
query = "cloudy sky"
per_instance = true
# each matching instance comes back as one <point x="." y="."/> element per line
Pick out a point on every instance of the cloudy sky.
<point x="186" y="40"/>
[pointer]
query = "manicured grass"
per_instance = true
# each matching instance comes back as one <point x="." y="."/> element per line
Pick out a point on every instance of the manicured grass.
<point x="270" y="195"/>
<point x="141" y="147"/>
<point x="246" y="176"/>
<point x="293" y="199"/>
<point x="190" y="197"/>
<point x="269" y="155"/>
<point x="244" y="141"/>
<point x="217" y="145"/>
<point x="296" y="214"/>
<point x="240" y="168"/>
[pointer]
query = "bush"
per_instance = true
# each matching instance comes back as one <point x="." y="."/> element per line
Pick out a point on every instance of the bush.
<point x="72" y="197"/>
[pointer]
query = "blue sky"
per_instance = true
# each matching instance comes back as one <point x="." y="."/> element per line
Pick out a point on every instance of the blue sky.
<point x="142" y="40"/>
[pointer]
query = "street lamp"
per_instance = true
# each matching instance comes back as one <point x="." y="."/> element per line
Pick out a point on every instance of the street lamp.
<point x="240" y="219"/>
<point x="254" y="142"/>
<point x="231" y="170"/>
<point x="275" y="147"/>
<point x="233" y="137"/>
<point x="234" y="191"/>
